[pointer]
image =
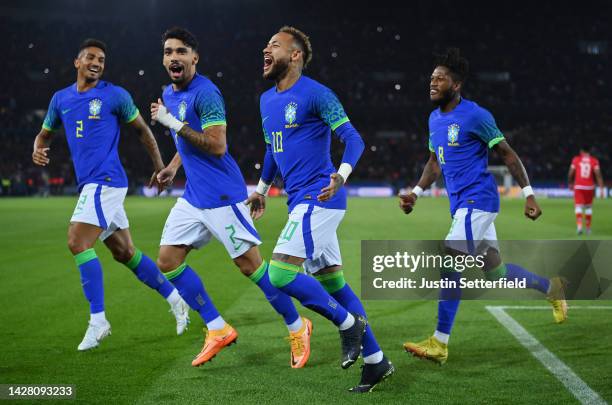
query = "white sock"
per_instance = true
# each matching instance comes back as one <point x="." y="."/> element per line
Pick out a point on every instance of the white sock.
<point x="216" y="324"/>
<point x="374" y="358"/>
<point x="348" y="322"/>
<point x="98" y="318"/>
<point x="174" y="298"/>
<point x="296" y="325"/>
<point x="442" y="337"/>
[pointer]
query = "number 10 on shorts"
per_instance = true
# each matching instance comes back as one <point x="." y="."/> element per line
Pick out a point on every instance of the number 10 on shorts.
<point x="289" y="230"/>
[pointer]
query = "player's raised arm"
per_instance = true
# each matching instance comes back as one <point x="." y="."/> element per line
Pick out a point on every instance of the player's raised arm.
<point x="212" y="140"/>
<point x="516" y="168"/>
<point x="331" y="111"/>
<point x="150" y="144"/>
<point x="41" y="147"/>
<point x="430" y="174"/>
<point x="42" y="141"/>
<point x="257" y="199"/>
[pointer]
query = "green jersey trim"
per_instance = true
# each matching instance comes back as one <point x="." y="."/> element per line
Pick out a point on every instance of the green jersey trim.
<point x="338" y="123"/>
<point x="212" y="123"/>
<point x="48" y="128"/>
<point x="495" y="141"/>
<point x="133" y="116"/>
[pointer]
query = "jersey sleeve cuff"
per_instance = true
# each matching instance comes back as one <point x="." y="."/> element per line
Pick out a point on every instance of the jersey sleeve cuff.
<point x="213" y="123"/>
<point x="338" y="123"/>
<point x="495" y="141"/>
<point x="132" y="117"/>
<point x="48" y="128"/>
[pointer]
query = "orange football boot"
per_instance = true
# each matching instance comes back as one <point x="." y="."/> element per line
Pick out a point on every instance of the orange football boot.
<point x="300" y="344"/>
<point x="214" y="342"/>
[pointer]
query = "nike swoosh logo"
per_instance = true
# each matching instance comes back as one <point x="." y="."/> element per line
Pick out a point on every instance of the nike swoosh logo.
<point x="264" y="119"/>
<point x="65" y="111"/>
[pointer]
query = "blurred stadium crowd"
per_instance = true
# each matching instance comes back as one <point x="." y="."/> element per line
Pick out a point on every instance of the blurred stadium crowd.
<point x="540" y="69"/>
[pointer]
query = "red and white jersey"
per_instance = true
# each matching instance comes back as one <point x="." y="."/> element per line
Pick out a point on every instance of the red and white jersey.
<point x="584" y="166"/>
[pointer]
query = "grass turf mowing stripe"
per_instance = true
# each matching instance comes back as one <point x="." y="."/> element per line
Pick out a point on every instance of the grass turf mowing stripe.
<point x="552" y="363"/>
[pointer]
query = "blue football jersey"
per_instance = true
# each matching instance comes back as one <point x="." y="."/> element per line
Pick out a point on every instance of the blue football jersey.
<point x="461" y="140"/>
<point x="91" y="121"/>
<point x="212" y="182"/>
<point x="297" y="124"/>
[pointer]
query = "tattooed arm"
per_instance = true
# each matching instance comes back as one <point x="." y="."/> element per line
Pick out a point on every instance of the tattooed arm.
<point x="513" y="163"/>
<point x="148" y="141"/>
<point x="516" y="168"/>
<point x="212" y="140"/>
<point x="150" y="144"/>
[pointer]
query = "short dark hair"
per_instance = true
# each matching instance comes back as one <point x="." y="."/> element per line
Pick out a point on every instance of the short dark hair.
<point x="585" y="148"/>
<point x="302" y="41"/>
<point x="181" y="34"/>
<point x="89" y="42"/>
<point x="454" y="62"/>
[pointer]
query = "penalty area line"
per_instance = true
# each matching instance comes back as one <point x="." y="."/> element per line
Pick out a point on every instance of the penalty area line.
<point x="552" y="363"/>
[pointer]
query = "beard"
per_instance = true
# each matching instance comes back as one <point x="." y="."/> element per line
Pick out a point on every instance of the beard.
<point x="89" y="79"/>
<point x="444" y="98"/>
<point x="178" y="80"/>
<point x="278" y="70"/>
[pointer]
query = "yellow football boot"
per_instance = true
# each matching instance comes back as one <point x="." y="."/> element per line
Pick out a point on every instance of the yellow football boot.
<point x="430" y="349"/>
<point x="556" y="297"/>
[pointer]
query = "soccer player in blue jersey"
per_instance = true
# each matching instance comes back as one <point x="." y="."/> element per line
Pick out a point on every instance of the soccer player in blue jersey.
<point x="91" y="111"/>
<point x="213" y="202"/>
<point x="298" y="116"/>
<point x="460" y="135"/>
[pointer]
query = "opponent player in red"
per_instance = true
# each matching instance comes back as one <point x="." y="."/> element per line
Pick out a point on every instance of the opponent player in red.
<point x="585" y="169"/>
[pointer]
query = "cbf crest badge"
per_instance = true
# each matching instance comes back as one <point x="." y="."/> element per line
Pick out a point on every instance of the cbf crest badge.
<point x="290" y="115"/>
<point x="95" y="106"/>
<point x="182" y="110"/>
<point x="453" y="135"/>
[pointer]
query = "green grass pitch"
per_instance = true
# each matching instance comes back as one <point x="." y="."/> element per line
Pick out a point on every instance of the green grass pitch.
<point x="44" y="315"/>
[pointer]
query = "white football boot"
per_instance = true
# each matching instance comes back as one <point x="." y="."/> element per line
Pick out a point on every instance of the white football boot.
<point x="94" y="335"/>
<point x="180" y="310"/>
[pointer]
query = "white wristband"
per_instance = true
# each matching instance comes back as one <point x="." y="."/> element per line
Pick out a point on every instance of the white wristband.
<point x="168" y="120"/>
<point x="345" y="170"/>
<point x="527" y="191"/>
<point x="417" y="191"/>
<point x="262" y="188"/>
<point x="175" y="124"/>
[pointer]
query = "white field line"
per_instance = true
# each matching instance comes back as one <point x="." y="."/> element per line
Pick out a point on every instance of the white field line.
<point x="552" y="363"/>
<point x="549" y="307"/>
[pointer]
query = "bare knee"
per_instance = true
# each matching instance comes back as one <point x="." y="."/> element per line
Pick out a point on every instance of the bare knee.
<point x="123" y="253"/>
<point x="77" y="244"/>
<point x="249" y="262"/>
<point x="167" y="263"/>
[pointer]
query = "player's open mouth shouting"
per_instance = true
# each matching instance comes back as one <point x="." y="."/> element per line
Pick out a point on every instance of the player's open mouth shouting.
<point x="268" y="62"/>
<point x="176" y="70"/>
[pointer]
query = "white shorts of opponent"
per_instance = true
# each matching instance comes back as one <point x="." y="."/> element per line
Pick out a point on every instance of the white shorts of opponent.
<point x="310" y="233"/>
<point x="231" y="225"/>
<point x="472" y="231"/>
<point x="102" y="206"/>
